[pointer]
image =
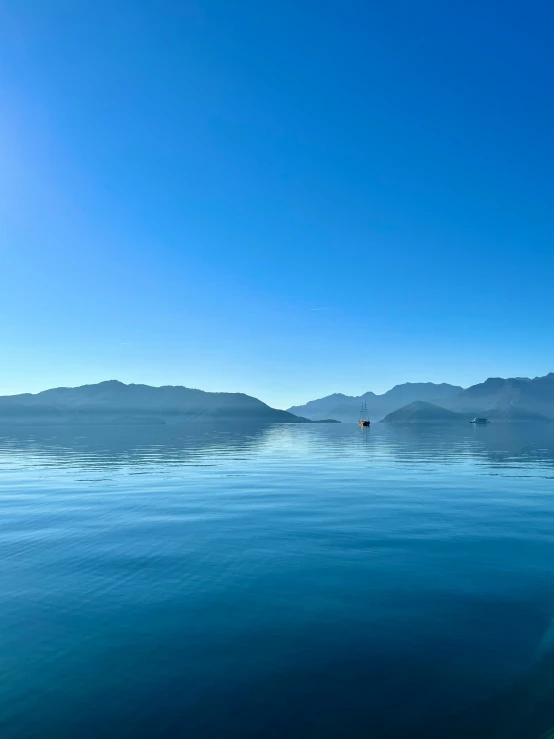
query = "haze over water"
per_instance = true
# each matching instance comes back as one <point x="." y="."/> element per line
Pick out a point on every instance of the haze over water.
<point x="286" y="580"/>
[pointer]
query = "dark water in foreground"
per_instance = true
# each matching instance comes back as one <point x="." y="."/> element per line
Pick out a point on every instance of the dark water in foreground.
<point x="286" y="581"/>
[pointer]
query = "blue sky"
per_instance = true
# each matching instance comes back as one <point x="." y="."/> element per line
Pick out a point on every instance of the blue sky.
<point x="285" y="199"/>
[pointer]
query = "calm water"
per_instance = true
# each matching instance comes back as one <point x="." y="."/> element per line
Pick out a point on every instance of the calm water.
<point x="286" y="581"/>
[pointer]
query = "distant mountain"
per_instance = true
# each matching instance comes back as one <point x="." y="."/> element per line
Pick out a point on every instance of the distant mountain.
<point x="513" y="414"/>
<point x="346" y="407"/>
<point x="115" y="402"/>
<point x="498" y="399"/>
<point x="516" y="398"/>
<point x="422" y="412"/>
<point x="342" y="407"/>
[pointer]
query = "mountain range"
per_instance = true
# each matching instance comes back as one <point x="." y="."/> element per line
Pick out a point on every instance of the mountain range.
<point x="516" y="395"/>
<point x="115" y="402"/>
<point x="511" y="399"/>
<point x="347" y="407"/>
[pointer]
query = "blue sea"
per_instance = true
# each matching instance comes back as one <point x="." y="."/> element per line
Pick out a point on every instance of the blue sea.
<point x="277" y="581"/>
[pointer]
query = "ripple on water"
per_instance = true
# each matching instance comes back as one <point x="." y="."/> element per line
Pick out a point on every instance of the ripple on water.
<point x="277" y="581"/>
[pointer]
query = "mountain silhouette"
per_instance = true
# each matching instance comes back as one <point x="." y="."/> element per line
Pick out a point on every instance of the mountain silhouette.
<point x="510" y="399"/>
<point x="116" y="402"/>
<point x="422" y="412"/>
<point x="498" y="399"/>
<point x="346" y="407"/>
<point x="513" y="398"/>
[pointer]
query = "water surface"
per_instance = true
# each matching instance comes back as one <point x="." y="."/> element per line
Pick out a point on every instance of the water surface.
<point x="298" y="581"/>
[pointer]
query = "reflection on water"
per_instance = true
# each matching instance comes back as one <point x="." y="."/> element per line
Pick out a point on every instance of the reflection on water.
<point x="526" y="447"/>
<point x="279" y="581"/>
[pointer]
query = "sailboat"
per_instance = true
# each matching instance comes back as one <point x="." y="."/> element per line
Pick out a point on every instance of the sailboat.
<point x="364" y="416"/>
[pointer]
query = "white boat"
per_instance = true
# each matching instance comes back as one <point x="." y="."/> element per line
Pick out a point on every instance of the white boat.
<point x="480" y="420"/>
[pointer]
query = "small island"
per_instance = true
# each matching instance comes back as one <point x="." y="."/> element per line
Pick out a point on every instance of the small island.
<point x="422" y="412"/>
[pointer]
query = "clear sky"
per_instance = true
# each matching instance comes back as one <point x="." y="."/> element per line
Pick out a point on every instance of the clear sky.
<point x="286" y="199"/>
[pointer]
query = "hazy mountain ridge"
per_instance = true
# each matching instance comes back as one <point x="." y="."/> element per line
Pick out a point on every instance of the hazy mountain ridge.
<point x="115" y="402"/>
<point x="420" y="411"/>
<point x="507" y="399"/>
<point x="346" y="407"/>
<point x="511" y="399"/>
<point x="496" y="394"/>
